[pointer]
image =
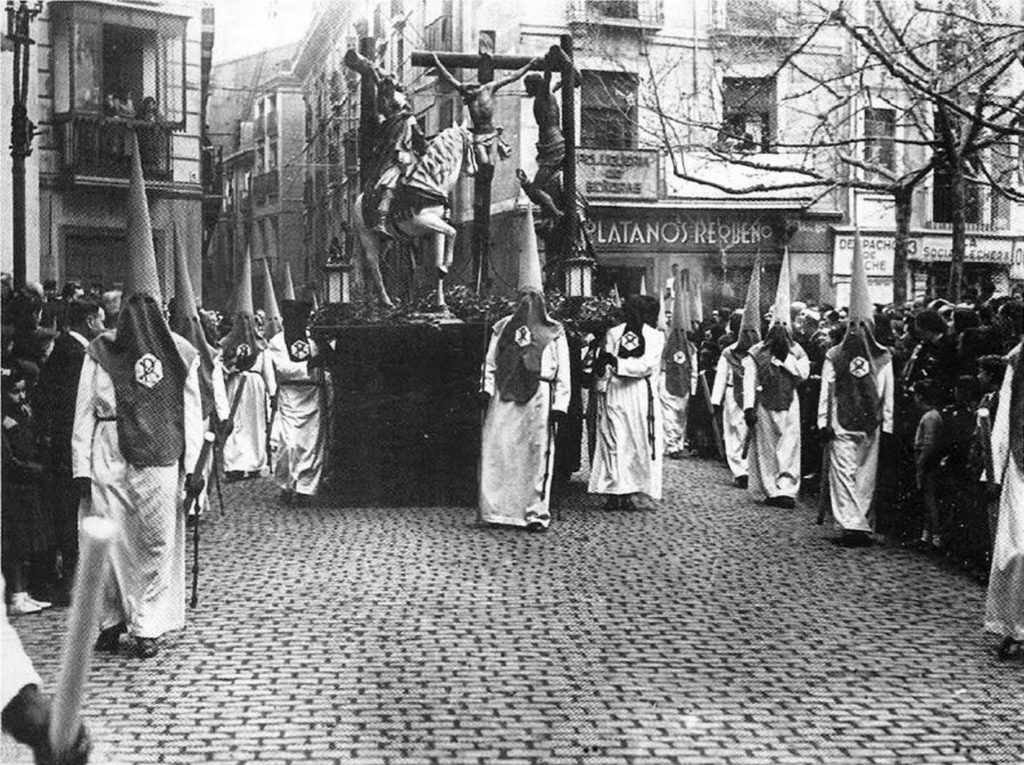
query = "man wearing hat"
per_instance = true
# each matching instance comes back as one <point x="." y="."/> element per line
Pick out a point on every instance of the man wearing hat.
<point x="855" y="404"/>
<point x="243" y="373"/>
<point x="728" y="389"/>
<point x="301" y="405"/>
<point x="526" y="391"/>
<point x="138" y="421"/>
<point x="771" y="373"/>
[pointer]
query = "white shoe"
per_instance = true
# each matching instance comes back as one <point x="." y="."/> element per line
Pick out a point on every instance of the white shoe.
<point x="21" y="604"/>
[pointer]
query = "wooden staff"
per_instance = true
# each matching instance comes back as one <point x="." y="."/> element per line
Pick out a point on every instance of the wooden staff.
<point x="95" y="539"/>
<point x="191" y="498"/>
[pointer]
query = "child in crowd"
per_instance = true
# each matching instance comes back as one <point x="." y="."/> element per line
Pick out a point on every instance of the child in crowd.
<point x="927" y="455"/>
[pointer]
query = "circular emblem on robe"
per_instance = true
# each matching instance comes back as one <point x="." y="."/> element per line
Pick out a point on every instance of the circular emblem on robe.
<point x="630" y="341"/>
<point x="243" y="351"/>
<point x="523" y="336"/>
<point x="300" y="349"/>
<point x="679" y="358"/>
<point x="149" y="370"/>
<point x="859" y="366"/>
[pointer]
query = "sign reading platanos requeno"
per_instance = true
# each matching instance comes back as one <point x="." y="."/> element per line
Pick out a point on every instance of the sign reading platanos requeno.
<point x="620" y="174"/>
<point x="675" y="231"/>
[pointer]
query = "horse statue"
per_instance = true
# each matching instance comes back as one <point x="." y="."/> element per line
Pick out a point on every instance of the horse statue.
<point x="420" y="208"/>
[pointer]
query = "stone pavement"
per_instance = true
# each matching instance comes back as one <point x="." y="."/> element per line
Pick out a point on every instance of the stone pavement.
<point x="713" y="630"/>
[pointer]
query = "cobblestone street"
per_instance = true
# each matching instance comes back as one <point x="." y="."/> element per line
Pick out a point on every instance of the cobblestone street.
<point x="713" y="630"/>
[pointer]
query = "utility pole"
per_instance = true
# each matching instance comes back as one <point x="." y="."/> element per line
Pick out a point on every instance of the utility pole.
<point x="22" y="128"/>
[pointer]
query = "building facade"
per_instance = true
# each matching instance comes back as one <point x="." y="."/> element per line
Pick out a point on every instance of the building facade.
<point x="257" y="122"/>
<point x="104" y="69"/>
<point x="700" y="144"/>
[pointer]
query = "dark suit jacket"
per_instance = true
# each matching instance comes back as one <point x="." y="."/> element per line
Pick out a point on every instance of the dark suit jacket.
<point x="53" y="400"/>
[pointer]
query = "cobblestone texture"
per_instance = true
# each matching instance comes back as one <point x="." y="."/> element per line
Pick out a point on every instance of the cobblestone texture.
<point x="712" y="630"/>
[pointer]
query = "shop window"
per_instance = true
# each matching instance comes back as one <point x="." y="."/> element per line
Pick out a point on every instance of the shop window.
<point x="748" y="114"/>
<point x="272" y="155"/>
<point x="608" y="111"/>
<point x="749" y="15"/>
<point x="880" y="137"/>
<point x="942" y="198"/>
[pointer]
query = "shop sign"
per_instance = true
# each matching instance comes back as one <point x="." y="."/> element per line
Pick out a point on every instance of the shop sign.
<point x="609" y="173"/>
<point x="879" y="254"/>
<point x="675" y="232"/>
<point x="933" y="249"/>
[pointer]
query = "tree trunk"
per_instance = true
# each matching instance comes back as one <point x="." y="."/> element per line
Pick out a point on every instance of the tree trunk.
<point x="904" y="198"/>
<point x="958" y="193"/>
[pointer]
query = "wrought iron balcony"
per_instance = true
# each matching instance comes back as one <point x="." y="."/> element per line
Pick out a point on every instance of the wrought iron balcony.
<point x="649" y="14"/>
<point x="96" y="147"/>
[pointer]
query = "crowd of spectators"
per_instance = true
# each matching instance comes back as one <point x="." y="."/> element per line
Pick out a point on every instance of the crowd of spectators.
<point x="949" y="362"/>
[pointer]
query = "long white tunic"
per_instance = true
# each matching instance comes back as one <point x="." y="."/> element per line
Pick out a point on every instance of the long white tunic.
<point x="624" y="460"/>
<point x="146" y="585"/>
<point x="853" y="455"/>
<point x="1004" y="606"/>
<point x="734" y="427"/>
<point x="245" y="449"/>
<point x="676" y="409"/>
<point x="774" y="456"/>
<point x="300" y="422"/>
<point x="518" y="446"/>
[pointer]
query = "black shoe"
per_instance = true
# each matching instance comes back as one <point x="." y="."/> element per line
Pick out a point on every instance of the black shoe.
<point x="740" y="482"/>
<point x="627" y="504"/>
<point x="110" y="638"/>
<point x="146" y="648"/>
<point x="536" y="527"/>
<point x="677" y="455"/>
<point x="302" y="500"/>
<point x="787" y="503"/>
<point x="612" y="503"/>
<point x="855" y="539"/>
<point x="285" y="497"/>
<point x="233" y="475"/>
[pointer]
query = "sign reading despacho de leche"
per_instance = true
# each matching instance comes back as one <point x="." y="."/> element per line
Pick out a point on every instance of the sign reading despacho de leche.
<point x="618" y="174"/>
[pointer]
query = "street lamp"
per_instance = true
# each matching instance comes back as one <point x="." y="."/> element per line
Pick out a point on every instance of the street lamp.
<point x="19" y="18"/>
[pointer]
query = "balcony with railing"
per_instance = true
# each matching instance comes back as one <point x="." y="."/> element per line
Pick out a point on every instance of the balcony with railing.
<point x="754" y="19"/>
<point x="96" y="149"/>
<point x="648" y="14"/>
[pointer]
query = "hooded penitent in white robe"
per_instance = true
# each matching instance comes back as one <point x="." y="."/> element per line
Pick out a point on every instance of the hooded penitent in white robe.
<point x="853" y="454"/>
<point x="1004" y="606"/>
<point x="675" y="409"/>
<point x="774" y="456"/>
<point x="727" y="389"/>
<point x="147" y="589"/>
<point x="300" y="421"/>
<point x="625" y="460"/>
<point x="245" y="450"/>
<point x="518" y="442"/>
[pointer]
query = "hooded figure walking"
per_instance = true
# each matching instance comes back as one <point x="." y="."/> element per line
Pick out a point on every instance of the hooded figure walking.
<point x="526" y="390"/>
<point x="630" y="436"/>
<point x="854" y="407"/>
<point x="679" y="369"/>
<point x="243" y="364"/>
<point x="138" y="428"/>
<point x="771" y="373"/>
<point x="728" y="390"/>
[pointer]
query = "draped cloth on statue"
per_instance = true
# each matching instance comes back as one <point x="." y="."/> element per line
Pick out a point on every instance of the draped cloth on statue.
<point x="630" y="435"/>
<point x="245" y="449"/>
<point x="853" y="463"/>
<point x="300" y="420"/>
<point x="1004" y="605"/>
<point x="146" y="583"/>
<point x="774" y="455"/>
<point x="518" y="445"/>
<point x="728" y="393"/>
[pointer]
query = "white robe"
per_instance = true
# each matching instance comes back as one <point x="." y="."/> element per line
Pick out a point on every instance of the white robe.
<point x="853" y="455"/>
<point x="300" y="422"/>
<point x="517" y="451"/>
<point x="1004" y="605"/>
<point x="146" y="583"/>
<point x="624" y="462"/>
<point x="245" y="450"/>
<point x="676" y="409"/>
<point x="734" y="427"/>
<point x="774" y="456"/>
